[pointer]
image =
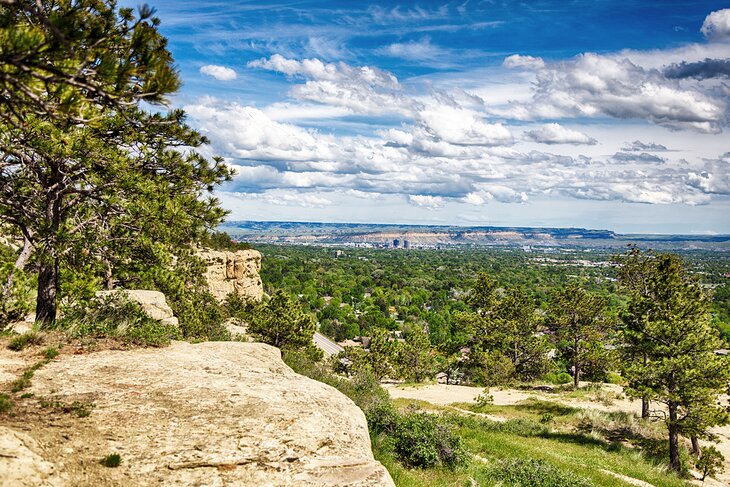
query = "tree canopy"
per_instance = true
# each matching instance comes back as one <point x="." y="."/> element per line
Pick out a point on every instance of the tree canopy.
<point x="88" y="177"/>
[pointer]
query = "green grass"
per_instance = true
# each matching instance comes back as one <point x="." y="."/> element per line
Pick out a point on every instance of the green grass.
<point x="581" y="454"/>
<point x="560" y="450"/>
<point x="19" y="342"/>
<point x="50" y="353"/>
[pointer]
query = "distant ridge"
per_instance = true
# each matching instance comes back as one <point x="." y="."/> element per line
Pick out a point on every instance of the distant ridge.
<point x="429" y="236"/>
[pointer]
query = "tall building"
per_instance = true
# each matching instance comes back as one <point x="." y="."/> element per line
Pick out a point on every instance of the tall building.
<point x="406" y="244"/>
<point x="396" y="242"/>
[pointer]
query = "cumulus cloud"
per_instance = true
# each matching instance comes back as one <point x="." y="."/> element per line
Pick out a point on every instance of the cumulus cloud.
<point x="288" y="198"/>
<point x="426" y="201"/>
<point x="709" y="68"/>
<point x="637" y="157"/>
<point x="717" y="25"/>
<point x="283" y="164"/>
<point x="554" y="133"/>
<point x="714" y="177"/>
<point x="593" y="85"/>
<point x="363" y="89"/>
<point x="220" y="73"/>
<point x="523" y="62"/>
<point x="461" y="126"/>
<point x="638" y="145"/>
<point x="446" y="144"/>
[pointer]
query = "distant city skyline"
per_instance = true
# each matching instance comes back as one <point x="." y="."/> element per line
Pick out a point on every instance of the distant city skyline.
<point x="593" y="114"/>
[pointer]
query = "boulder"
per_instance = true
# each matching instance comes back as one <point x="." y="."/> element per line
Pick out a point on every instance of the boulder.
<point x="230" y="272"/>
<point x="213" y="413"/>
<point x="20" y="463"/>
<point x="152" y="302"/>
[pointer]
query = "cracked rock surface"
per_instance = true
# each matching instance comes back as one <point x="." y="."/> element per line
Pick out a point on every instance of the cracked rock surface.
<point x="213" y="414"/>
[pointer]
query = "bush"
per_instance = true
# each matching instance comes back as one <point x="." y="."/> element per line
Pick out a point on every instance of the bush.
<point x="558" y="378"/>
<point x="418" y="439"/>
<point x="490" y="368"/>
<point x="200" y="316"/>
<point x="425" y="440"/>
<point x="116" y="316"/>
<point x="520" y="472"/>
<point x="6" y="404"/>
<point x="19" y="342"/>
<point x="614" y="378"/>
<point x="112" y="461"/>
<point x="710" y="463"/>
<point x="223" y="241"/>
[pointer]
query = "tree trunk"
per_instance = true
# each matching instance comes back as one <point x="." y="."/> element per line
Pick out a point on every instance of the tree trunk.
<point x="695" y="446"/>
<point x="644" y="399"/>
<point x="576" y="365"/>
<point x="674" y="438"/>
<point x="45" y="311"/>
<point x="644" y="407"/>
<point x="109" y="277"/>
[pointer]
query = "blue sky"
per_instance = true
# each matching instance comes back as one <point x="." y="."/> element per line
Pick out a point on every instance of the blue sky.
<point x="601" y="114"/>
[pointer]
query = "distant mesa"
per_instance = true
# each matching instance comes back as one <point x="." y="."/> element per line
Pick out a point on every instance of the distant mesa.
<point x="438" y="236"/>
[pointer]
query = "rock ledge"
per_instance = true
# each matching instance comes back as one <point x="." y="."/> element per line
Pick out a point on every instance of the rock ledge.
<point x="214" y="414"/>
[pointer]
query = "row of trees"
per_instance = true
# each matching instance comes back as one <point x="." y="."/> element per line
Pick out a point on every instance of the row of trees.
<point x="661" y="342"/>
<point x="91" y="183"/>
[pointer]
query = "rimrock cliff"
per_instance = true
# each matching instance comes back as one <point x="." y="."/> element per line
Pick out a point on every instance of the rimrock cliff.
<point x="233" y="272"/>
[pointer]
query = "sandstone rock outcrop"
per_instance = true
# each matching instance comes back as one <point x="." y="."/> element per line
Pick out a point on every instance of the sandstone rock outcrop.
<point x="233" y="272"/>
<point x="152" y="302"/>
<point x="20" y="464"/>
<point x="214" y="414"/>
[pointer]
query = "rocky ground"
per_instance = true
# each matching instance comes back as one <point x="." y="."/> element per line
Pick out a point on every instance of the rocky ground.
<point x="213" y="414"/>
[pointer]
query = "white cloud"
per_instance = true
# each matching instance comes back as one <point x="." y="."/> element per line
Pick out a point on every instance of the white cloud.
<point x="592" y="85"/>
<point x="448" y="147"/>
<point x="362" y="89"/>
<point x="523" y="62"/>
<point x="422" y="50"/>
<point x="288" y="198"/>
<point x="717" y="25"/>
<point x="220" y="73"/>
<point x="714" y="177"/>
<point x="425" y="201"/>
<point x="460" y="126"/>
<point x="638" y="145"/>
<point x="554" y="133"/>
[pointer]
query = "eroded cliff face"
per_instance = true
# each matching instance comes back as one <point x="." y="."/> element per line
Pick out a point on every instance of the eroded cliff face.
<point x="214" y="414"/>
<point x="233" y="272"/>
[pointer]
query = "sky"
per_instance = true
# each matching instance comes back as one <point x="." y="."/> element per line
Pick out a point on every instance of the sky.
<point x="585" y="113"/>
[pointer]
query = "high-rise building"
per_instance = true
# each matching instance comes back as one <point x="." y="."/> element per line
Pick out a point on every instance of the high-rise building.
<point x="396" y="242"/>
<point x="406" y="244"/>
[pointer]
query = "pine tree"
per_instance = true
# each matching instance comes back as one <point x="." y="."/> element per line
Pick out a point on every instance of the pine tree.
<point x="580" y="323"/>
<point x="282" y="323"/>
<point x="504" y="326"/>
<point x="86" y="177"/>
<point x="415" y="357"/>
<point x="670" y="316"/>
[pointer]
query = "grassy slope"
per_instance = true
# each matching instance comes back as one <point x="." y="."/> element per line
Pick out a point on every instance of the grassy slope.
<point x="584" y="454"/>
